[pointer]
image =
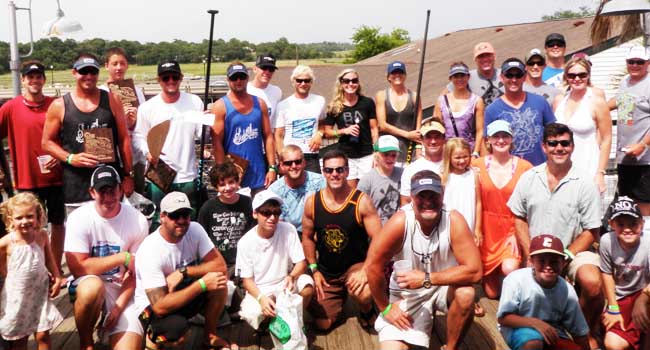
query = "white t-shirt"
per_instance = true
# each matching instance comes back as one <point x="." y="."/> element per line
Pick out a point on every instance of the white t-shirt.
<point x="271" y="95"/>
<point x="89" y="233"/>
<point x="178" y="151"/>
<point x="157" y="258"/>
<point x="268" y="261"/>
<point x="299" y="118"/>
<point x="412" y="169"/>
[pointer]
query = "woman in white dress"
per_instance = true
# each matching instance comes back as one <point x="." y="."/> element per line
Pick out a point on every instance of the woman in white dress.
<point x="587" y="115"/>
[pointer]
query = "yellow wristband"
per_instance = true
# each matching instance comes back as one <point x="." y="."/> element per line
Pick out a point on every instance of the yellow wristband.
<point x="127" y="259"/>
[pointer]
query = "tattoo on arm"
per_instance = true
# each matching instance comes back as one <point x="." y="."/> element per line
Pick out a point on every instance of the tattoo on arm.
<point x="156" y="294"/>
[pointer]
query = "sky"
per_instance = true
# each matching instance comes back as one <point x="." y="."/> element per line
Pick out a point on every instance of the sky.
<point x="262" y="21"/>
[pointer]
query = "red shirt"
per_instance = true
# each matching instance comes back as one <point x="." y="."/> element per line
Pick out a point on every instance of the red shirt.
<point x="24" y="126"/>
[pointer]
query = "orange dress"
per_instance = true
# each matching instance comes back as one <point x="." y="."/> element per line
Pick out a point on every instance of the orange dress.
<point x="498" y="222"/>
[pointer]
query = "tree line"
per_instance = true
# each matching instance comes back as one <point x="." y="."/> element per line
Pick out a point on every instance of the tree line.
<point x="60" y="53"/>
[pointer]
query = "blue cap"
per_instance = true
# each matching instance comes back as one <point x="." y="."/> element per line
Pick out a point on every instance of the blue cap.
<point x="512" y="64"/>
<point x="235" y="69"/>
<point x="426" y="184"/>
<point x="396" y="65"/>
<point x="84" y="62"/>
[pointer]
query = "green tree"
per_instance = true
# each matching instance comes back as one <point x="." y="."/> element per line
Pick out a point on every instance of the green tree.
<point x="369" y="41"/>
<point x="583" y="11"/>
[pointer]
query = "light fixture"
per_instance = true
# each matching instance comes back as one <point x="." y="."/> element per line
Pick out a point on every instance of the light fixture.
<point x="625" y="7"/>
<point x="60" y="25"/>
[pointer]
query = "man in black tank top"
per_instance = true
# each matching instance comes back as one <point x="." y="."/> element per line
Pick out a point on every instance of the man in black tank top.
<point x="397" y="114"/>
<point x="86" y="107"/>
<point x="337" y="223"/>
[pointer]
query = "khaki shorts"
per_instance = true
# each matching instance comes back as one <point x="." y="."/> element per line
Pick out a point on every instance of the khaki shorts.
<point x="582" y="258"/>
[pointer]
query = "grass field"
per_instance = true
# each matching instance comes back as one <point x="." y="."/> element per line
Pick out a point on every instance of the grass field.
<point x="143" y="74"/>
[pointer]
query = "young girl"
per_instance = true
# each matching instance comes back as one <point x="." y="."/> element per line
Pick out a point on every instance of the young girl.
<point x="25" y="259"/>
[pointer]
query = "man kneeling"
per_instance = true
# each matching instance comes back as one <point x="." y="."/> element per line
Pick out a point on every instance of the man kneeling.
<point x="179" y="273"/>
<point x="442" y="262"/>
<point x="265" y="253"/>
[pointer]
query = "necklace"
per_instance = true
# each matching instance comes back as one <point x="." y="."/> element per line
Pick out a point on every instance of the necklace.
<point x="425" y="257"/>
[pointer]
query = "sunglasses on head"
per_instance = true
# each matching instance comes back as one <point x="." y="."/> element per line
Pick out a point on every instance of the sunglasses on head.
<point x="554" y="143"/>
<point x="179" y="214"/>
<point x="268" y="212"/>
<point x="174" y="77"/>
<point x="339" y="170"/>
<point x="636" y="62"/>
<point x="292" y="162"/>
<point x="514" y="75"/>
<point x="350" y="81"/>
<point x="300" y="81"/>
<point x="535" y="63"/>
<point x="238" y="77"/>
<point x="88" y="70"/>
<point x="581" y="75"/>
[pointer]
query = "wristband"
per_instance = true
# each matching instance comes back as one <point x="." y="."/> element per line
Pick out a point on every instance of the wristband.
<point x="613" y="308"/>
<point x="259" y="297"/>
<point x="475" y="154"/>
<point x="569" y="255"/>
<point x="613" y="312"/>
<point x="387" y="309"/>
<point x="273" y="167"/>
<point x="313" y="267"/>
<point x="204" y="288"/>
<point x="127" y="259"/>
<point x="418" y="146"/>
<point x="336" y="133"/>
<point x="69" y="159"/>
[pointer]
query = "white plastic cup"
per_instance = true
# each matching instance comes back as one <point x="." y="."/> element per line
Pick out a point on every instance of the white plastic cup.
<point x="42" y="160"/>
<point x="402" y="266"/>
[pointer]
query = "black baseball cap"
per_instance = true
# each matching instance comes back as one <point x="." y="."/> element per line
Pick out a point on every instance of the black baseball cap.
<point x="554" y="38"/>
<point x="266" y="61"/>
<point x="169" y="66"/>
<point x="104" y="175"/>
<point x="32" y="67"/>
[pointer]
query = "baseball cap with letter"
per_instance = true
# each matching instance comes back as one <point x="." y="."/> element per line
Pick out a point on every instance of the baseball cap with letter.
<point x="546" y="243"/>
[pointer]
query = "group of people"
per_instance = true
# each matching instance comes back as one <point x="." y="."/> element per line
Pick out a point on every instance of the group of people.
<point x="502" y="188"/>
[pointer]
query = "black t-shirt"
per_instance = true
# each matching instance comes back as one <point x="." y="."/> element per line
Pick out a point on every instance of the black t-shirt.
<point x="360" y="113"/>
<point x="226" y="224"/>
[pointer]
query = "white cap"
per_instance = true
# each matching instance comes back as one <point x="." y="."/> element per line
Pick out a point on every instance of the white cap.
<point x="174" y="201"/>
<point x="387" y="143"/>
<point x="264" y="197"/>
<point x="637" y="51"/>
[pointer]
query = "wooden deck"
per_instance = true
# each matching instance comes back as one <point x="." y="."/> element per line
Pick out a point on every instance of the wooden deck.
<point x="483" y="334"/>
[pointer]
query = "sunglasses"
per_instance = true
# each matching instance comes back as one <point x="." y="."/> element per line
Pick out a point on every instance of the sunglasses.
<point x="300" y="81"/>
<point x="339" y="170"/>
<point x="174" y="77"/>
<point x="269" y="212"/>
<point x="88" y="70"/>
<point x="581" y="75"/>
<point x="554" y="143"/>
<point x="292" y="162"/>
<point x="535" y="63"/>
<point x="636" y="62"/>
<point x="268" y="69"/>
<point x="554" y="44"/>
<point x="179" y="214"/>
<point x="350" y="81"/>
<point x="238" y="77"/>
<point x="514" y="75"/>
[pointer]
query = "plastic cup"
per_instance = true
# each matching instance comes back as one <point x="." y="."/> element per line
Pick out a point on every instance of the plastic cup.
<point x="402" y="266"/>
<point x="42" y="160"/>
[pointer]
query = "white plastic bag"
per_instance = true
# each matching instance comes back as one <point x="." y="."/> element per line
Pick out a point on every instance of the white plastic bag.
<point x="288" y="307"/>
<point x="251" y="311"/>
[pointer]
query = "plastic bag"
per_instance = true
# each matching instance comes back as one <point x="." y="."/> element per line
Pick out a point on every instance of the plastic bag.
<point x="286" y="327"/>
<point x="143" y="205"/>
<point x="251" y="311"/>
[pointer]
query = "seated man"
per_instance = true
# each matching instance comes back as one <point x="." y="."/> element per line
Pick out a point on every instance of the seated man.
<point x="538" y="308"/>
<point x="100" y="243"/>
<point x="179" y="274"/>
<point x="428" y="238"/>
<point x="265" y="253"/>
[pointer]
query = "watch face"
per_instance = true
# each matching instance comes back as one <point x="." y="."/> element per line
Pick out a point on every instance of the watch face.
<point x="426" y="284"/>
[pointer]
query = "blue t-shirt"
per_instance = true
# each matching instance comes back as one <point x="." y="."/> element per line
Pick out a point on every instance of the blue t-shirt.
<point x="553" y="76"/>
<point x="527" y="124"/>
<point x="294" y="198"/>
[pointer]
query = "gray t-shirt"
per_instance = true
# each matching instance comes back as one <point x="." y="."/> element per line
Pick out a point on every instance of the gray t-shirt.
<point x="488" y="89"/>
<point x="629" y="268"/>
<point x="383" y="190"/>
<point x="547" y="91"/>
<point x="633" y="105"/>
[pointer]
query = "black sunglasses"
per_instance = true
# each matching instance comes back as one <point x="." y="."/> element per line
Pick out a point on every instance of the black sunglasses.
<point x="269" y="212"/>
<point x="535" y="63"/>
<point x="555" y="43"/>
<point x="270" y="69"/>
<point x="554" y="143"/>
<point x="292" y="162"/>
<point x="238" y="77"/>
<point x="514" y="75"/>
<point x="174" y="77"/>
<point x="179" y="214"/>
<point x="339" y="170"/>
<point x="88" y="70"/>
<point x="348" y="81"/>
<point x="581" y="75"/>
<point x="306" y="81"/>
<point x="636" y="62"/>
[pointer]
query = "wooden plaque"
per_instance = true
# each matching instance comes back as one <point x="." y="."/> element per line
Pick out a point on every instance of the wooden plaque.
<point x="156" y="139"/>
<point x="162" y="175"/>
<point x="125" y="91"/>
<point x="240" y="163"/>
<point x="99" y="142"/>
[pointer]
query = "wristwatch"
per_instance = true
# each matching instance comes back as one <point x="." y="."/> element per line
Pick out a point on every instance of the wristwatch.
<point x="183" y="271"/>
<point x="427" y="281"/>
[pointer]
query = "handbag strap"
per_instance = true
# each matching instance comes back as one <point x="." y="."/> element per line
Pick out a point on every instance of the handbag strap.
<point x="451" y="116"/>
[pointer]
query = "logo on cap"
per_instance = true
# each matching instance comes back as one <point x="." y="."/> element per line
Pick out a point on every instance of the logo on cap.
<point x="237" y="67"/>
<point x="425" y="182"/>
<point x="104" y="174"/>
<point x="167" y="65"/>
<point x="88" y="60"/>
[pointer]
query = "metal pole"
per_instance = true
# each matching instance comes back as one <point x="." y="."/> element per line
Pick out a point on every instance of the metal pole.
<point x="424" y="50"/>
<point x="14" y="61"/>
<point x="206" y="94"/>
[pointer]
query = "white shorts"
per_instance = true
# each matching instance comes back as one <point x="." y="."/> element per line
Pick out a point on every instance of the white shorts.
<point x="359" y="166"/>
<point x="303" y="281"/>
<point x="582" y="258"/>
<point x="421" y="305"/>
<point x="128" y="321"/>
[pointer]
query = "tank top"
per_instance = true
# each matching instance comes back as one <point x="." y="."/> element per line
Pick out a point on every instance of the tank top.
<point x="341" y="239"/>
<point x="405" y="120"/>
<point x="244" y="137"/>
<point x="465" y="120"/>
<point x="76" y="181"/>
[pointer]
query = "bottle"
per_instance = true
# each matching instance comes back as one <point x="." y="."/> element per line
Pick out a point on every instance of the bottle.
<point x="355" y="139"/>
